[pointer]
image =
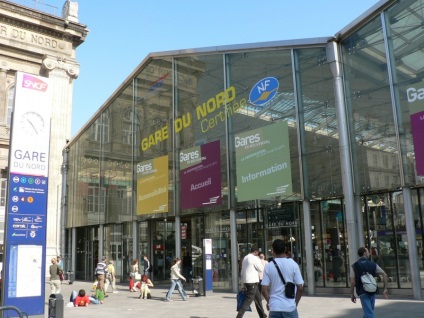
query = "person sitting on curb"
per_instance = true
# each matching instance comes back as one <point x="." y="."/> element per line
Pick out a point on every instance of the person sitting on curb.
<point x="144" y="288"/>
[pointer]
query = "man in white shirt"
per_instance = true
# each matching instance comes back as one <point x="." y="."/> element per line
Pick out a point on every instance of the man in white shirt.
<point x="250" y="269"/>
<point x="277" y="303"/>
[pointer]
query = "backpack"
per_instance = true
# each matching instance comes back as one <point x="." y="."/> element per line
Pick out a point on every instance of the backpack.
<point x="368" y="281"/>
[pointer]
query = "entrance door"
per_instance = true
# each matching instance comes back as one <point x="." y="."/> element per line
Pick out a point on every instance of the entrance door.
<point x="250" y="231"/>
<point x="163" y="248"/>
<point x="283" y="223"/>
<point x="87" y="253"/>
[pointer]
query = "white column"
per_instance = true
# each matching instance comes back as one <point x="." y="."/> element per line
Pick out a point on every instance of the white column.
<point x="61" y="73"/>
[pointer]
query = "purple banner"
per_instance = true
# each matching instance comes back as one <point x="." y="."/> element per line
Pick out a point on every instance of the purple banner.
<point x="417" y="125"/>
<point x="200" y="175"/>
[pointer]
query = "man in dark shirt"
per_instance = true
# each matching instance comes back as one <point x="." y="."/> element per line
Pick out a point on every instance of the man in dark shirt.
<point x="367" y="298"/>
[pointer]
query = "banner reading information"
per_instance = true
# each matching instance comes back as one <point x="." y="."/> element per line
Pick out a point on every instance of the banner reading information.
<point x="263" y="163"/>
<point x="152" y="186"/>
<point x="200" y="174"/>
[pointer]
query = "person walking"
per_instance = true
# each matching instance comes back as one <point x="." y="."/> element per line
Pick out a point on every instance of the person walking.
<point x="110" y="277"/>
<point x="251" y="268"/>
<point x="367" y="298"/>
<point x="261" y="275"/>
<point x="134" y="275"/>
<point x="176" y="278"/>
<point x="187" y="266"/>
<point x="54" y="271"/>
<point x="278" y="305"/>
<point x="101" y="272"/>
<point x="147" y="266"/>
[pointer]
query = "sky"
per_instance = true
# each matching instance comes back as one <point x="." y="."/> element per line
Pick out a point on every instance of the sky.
<point x="122" y="33"/>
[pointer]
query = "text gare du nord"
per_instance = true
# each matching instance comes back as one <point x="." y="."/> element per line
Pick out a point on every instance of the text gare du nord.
<point x="30" y="159"/>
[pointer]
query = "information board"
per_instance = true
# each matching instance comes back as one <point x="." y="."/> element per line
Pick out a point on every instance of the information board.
<point x="26" y="212"/>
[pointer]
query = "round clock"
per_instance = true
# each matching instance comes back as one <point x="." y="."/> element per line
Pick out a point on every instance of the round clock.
<point x="32" y="123"/>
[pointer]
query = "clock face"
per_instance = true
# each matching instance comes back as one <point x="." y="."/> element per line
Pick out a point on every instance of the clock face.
<point x="32" y="124"/>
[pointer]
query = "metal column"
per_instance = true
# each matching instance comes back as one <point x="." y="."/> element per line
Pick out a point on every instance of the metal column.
<point x="333" y="58"/>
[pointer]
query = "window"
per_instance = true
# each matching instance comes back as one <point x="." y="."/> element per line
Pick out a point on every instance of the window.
<point x="374" y="160"/>
<point x="96" y="199"/>
<point x="10" y="101"/>
<point x="377" y="181"/>
<point x="126" y="133"/>
<point x="386" y="161"/>
<point x="100" y="127"/>
<point x="3" y="192"/>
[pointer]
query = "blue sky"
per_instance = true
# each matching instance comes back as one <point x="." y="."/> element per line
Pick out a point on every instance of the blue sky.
<point x="123" y="33"/>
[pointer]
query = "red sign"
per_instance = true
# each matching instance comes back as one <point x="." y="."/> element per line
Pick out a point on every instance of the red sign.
<point x="158" y="247"/>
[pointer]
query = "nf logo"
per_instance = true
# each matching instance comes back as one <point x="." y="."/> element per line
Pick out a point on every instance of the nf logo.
<point x="263" y="91"/>
<point x="32" y="82"/>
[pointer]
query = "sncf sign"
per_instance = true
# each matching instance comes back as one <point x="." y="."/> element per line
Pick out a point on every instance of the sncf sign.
<point x="32" y="82"/>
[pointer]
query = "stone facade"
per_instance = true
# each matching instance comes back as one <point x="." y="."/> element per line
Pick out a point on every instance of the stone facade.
<point x="39" y="43"/>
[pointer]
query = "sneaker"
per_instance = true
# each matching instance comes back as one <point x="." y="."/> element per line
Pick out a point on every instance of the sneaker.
<point x="115" y="292"/>
<point x="167" y="299"/>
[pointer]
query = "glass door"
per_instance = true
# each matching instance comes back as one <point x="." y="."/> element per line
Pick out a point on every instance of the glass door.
<point x="163" y="248"/>
<point x="87" y="253"/>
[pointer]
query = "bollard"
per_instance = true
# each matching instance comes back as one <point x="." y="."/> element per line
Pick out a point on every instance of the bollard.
<point x="56" y="306"/>
<point x="71" y="277"/>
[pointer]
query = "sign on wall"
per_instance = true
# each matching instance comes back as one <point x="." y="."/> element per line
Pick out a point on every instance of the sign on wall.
<point x="26" y="217"/>
<point x="152" y="186"/>
<point x="263" y="163"/>
<point x="200" y="175"/>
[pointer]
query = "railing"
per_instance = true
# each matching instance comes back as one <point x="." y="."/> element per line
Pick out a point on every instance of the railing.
<point x="20" y="313"/>
<point x="38" y="5"/>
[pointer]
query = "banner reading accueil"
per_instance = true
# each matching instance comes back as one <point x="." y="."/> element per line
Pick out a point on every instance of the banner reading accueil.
<point x="263" y="162"/>
<point x="152" y="186"/>
<point x="200" y="175"/>
<point x="26" y="217"/>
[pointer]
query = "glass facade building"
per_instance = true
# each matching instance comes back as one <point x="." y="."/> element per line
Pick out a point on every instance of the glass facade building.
<point x="314" y="141"/>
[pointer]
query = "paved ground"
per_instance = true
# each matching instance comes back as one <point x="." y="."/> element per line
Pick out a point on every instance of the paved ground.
<point x="223" y="304"/>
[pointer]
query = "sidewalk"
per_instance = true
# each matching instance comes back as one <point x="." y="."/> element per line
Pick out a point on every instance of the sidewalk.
<point x="221" y="305"/>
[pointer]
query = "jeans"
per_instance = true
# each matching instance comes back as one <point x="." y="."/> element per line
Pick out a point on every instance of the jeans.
<point x="252" y="294"/>
<point x="176" y="282"/>
<point x="368" y="304"/>
<point x="283" y="314"/>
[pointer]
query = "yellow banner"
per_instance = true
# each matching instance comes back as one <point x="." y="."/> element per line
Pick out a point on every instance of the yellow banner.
<point x="152" y="186"/>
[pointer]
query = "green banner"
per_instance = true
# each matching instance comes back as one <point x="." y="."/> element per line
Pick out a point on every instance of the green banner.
<point x="263" y="163"/>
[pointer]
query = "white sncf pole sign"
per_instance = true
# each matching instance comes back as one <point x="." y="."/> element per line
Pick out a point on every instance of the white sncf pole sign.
<point x="26" y="217"/>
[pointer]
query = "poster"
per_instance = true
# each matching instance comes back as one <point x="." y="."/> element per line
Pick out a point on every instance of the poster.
<point x="415" y="97"/>
<point x="200" y="175"/>
<point x="263" y="163"/>
<point x="152" y="186"/>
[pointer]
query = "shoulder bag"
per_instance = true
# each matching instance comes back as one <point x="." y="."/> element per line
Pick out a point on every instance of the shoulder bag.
<point x="289" y="287"/>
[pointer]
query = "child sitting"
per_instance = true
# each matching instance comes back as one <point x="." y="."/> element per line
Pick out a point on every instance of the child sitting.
<point x="99" y="297"/>
<point x="81" y="300"/>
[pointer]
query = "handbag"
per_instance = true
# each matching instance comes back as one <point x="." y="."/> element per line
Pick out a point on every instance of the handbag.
<point x="60" y="273"/>
<point x="289" y="288"/>
<point x="241" y="296"/>
<point x="137" y="276"/>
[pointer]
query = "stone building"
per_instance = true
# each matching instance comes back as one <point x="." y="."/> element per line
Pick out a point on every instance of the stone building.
<point x="44" y="44"/>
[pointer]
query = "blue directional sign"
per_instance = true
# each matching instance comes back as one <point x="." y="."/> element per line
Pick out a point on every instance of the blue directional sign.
<point x="24" y="268"/>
